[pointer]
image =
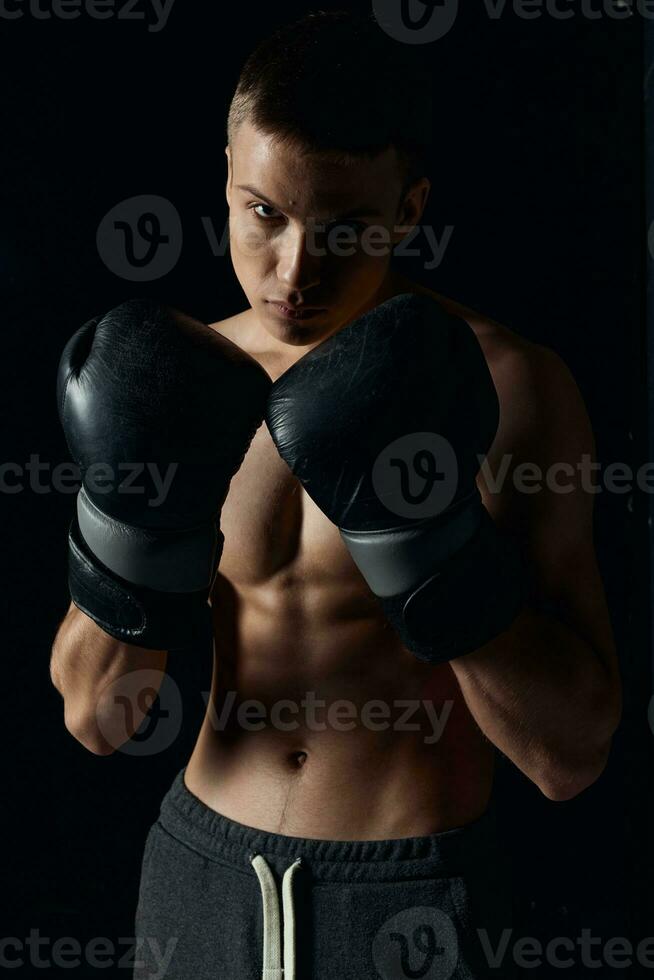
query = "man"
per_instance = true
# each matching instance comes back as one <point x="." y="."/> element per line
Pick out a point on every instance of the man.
<point x="372" y="821"/>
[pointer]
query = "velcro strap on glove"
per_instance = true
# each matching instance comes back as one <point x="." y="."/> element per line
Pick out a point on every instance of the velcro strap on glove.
<point x="466" y="600"/>
<point x="399" y="559"/>
<point x="133" y="613"/>
<point x="161" y="559"/>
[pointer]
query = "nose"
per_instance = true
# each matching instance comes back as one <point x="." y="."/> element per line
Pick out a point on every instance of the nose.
<point x="298" y="264"/>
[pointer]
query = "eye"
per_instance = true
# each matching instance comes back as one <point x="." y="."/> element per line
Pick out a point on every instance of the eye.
<point x="265" y="211"/>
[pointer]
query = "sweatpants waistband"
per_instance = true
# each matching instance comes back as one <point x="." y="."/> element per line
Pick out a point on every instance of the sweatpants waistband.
<point x="216" y="837"/>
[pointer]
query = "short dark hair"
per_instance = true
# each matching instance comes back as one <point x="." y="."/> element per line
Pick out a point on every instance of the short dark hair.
<point x="334" y="81"/>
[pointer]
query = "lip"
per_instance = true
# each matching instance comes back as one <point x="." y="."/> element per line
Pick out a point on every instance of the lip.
<point x="290" y="312"/>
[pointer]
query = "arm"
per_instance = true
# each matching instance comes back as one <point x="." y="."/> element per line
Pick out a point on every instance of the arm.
<point x="144" y="383"/>
<point x="414" y="395"/>
<point x="547" y="691"/>
<point x="107" y="686"/>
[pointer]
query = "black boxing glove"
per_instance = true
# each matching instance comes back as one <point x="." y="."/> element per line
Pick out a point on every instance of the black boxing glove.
<point x="158" y="411"/>
<point x="386" y="424"/>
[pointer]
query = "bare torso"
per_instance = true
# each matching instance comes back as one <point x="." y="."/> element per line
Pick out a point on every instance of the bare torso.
<point x="297" y="630"/>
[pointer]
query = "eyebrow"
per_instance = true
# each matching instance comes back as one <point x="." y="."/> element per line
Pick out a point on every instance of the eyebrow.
<point x="362" y="212"/>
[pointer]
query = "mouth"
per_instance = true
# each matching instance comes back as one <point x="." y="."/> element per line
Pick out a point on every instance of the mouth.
<point x="295" y="312"/>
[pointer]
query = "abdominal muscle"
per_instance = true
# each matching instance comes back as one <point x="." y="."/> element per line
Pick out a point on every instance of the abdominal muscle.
<point x="346" y="735"/>
<point x="321" y="725"/>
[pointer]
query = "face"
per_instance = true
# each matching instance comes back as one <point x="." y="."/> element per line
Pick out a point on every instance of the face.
<point x="311" y="235"/>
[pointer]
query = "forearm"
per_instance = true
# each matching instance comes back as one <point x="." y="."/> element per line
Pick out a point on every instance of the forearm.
<point x="107" y="685"/>
<point x="546" y="699"/>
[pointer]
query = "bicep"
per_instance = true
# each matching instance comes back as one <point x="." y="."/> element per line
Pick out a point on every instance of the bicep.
<point x="556" y="522"/>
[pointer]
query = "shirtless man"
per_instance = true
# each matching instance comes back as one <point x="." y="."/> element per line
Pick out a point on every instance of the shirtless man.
<point x="364" y="806"/>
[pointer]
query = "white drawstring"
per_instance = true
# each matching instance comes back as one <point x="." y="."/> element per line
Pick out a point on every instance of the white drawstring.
<point x="273" y="967"/>
<point x="288" y="905"/>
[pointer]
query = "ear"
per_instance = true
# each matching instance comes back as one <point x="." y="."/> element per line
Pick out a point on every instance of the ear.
<point x="411" y="208"/>
<point x="228" y="185"/>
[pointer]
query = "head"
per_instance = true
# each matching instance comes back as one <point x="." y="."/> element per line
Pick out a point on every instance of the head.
<point x="328" y="133"/>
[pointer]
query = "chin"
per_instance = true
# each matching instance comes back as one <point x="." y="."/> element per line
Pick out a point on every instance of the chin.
<point x="300" y="334"/>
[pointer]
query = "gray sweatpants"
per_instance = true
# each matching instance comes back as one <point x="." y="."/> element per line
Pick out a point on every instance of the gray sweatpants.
<point x="224" y="901"/>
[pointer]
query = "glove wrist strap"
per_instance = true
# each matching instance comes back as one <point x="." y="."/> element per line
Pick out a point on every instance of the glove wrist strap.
<point x="159" y="559"/>
<point x="465" y="602"/>
<point x="397" y="559"/>
<point x="133" y="613"/>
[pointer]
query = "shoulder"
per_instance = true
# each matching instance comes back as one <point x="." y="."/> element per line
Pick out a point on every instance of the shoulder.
<point x="539" y="398"/>
<point x="234" y="328"/>
<point x="242" y="330"/>
<point x="509" y="356"/>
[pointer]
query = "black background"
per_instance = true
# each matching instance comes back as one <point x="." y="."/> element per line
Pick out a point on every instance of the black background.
<point x="539" y="169"/>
